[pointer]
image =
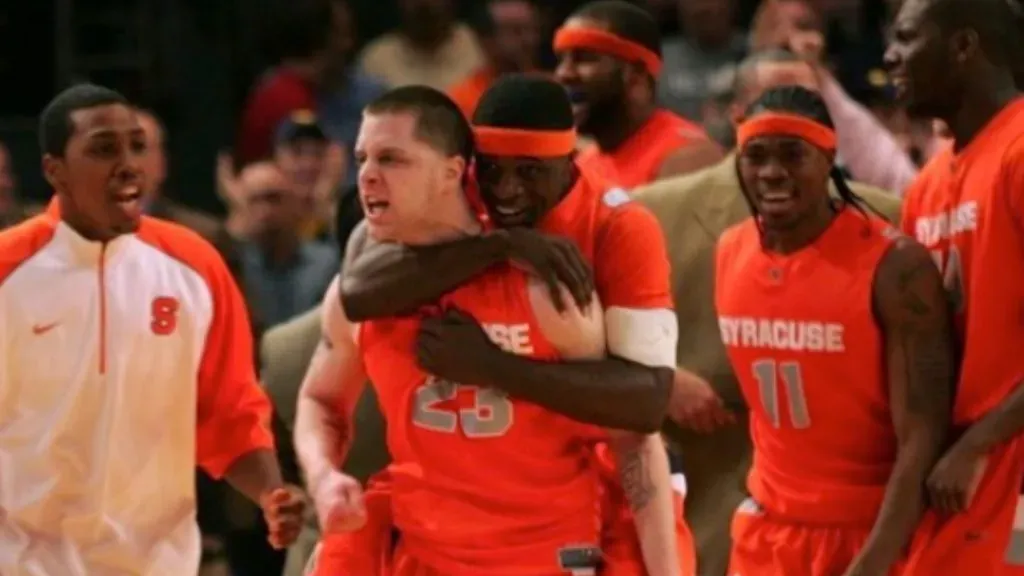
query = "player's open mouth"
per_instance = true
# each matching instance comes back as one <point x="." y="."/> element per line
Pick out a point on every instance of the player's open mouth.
<point x="777" y="200"/>
<point x="128" y="196"/>
<point x="375" y="208"/>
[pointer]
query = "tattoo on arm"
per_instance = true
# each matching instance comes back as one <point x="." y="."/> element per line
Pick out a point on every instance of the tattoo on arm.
<point x="633" y="470"/>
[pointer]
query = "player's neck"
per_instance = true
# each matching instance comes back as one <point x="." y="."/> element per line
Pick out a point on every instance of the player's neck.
<point x="978" y="109"/>
<point x="617" y="131"/>
<point x="802" y="235"/>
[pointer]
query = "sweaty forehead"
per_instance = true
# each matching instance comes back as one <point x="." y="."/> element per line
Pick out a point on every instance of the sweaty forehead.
<point x="116" y="118"/>
<point x="387" y="129"/>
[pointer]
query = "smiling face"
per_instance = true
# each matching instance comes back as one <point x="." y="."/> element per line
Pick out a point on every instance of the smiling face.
<point x="596" y="82"/>
<point x="100" y="178"/>
<point x="785" y="179"/>
<point x="519" y="191"/>
<point x="921" y="64"/>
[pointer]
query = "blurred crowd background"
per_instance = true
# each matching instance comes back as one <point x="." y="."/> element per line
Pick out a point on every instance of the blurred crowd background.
<point x="252" y="108"/>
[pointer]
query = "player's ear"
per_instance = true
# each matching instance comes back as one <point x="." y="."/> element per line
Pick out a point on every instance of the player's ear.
<point x="963" y="45"/>
<point x="455" y="170"/>
<point x="55" y="172"/>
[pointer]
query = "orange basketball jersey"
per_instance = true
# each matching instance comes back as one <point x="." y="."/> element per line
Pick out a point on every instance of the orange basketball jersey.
<point x="968" y="209"/>
<point x="637" y="160"/>
<point x="482" y="483"/>
<point x="803" y="341"/>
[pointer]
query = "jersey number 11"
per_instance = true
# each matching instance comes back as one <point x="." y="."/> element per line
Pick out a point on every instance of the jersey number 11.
<point x="768" y="373"/>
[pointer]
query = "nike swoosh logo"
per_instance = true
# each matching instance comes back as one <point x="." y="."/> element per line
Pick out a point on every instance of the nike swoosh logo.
<point x="38" y="329"/>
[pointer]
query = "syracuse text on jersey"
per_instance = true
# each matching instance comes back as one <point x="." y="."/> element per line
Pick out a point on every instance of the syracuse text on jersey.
<point x="512" y="338"/>
<point x="930" y="230"/>
<point x="782" y="334"/>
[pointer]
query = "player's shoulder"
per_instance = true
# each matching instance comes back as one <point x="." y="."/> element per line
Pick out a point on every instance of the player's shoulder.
<point x="182" y="244"/>
<point x="22" y="241"/>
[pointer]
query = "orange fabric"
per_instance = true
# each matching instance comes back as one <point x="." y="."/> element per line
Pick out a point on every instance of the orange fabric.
<point x="367" y="551"/>
<point x="233" y="413"/>
<point x="466" y="94"/>
<point x="763" y="546"/>
<point x="606" y="42"/>
<point x="975" y="541"/>
<point x="968" y="209"/>
<point x="482" y="483"/>
<point x="492" y="141"/>
<point x="779" y="124"/>
<point x="21" y="242"/>
<point x="621" y="239"/>
<point x="801" y="336"/>
<point x="637" y="160"/>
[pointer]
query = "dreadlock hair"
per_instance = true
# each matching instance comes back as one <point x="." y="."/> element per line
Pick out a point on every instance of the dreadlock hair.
<point x="626" y="20"/>
<point x="525" y="102"/>
<point x="803" y="102"/>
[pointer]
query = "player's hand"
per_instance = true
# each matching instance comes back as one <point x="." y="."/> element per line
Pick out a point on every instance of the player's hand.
<point x="954" y="479"/>
<point x="339" y="503"/>
<point x="284" y="510"/>
<point x="453" y="346"/>
<point x="554" y="260"/>
<point x="694" y="404"/>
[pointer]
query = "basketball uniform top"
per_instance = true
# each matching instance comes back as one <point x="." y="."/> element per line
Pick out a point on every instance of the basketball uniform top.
<point x="968" y="209"/>
<point x="482" y="483"/>
<point x="638" y="160"/>
<point x="802" y="338"/>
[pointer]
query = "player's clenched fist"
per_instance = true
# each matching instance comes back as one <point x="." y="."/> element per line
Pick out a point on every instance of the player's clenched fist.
<point x="339" y="503"/>
<point x="283" y="510"/>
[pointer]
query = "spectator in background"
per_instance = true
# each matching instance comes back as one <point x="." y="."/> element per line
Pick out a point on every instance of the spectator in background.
<point x="709" y="46"/>
<point x="865" y="149"/>
<point x="317" y="41"/>
<point x="11" y="210"/>
<point x="430" y="47"/>
<point x="284" y="274"/>
<point x="509" y="34"/>
<point x="694" y="210"/>
<point x="315" y="165"/>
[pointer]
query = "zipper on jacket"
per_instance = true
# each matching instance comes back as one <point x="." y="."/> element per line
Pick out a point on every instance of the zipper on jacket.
<point x="103" y="310"/>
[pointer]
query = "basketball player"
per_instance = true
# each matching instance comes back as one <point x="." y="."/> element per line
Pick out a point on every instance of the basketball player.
<point x="837" y="329"/>
<point x="952" y="60"/>
<point x="609" y="59"/>
<point x="480" y="483"/>
<point x="127" y="361"/>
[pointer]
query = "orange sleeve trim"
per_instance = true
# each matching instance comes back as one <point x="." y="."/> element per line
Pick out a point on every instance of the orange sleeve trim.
<point x="492" y="141"/>
<point x="19" y="243"/>
<point x="779" y="124"/>
<point x="577" y="38"/>
<point x="233" y="412"/>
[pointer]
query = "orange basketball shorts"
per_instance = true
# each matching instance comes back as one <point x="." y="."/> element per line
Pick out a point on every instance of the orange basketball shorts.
<point x="763" y="546"/>
<point x="367" y="551"/>
<point x="977" y="540"/>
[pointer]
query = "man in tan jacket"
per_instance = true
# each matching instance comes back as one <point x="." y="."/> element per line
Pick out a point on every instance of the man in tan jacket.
<point x="693" y="211"/>
<point x="285" y="354"/>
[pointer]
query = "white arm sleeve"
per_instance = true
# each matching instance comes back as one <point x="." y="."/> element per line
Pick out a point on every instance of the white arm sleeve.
<point x="645" y="336"/>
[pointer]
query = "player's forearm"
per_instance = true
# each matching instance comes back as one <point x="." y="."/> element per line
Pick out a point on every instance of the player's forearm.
<point x="389" y="279"/>
<point x="1002" y="423"/>
<point x="904" y="502"/>
<point x="609" y="385"/>
<point x="644" y="472"/>
<point x="321" y="439"/>
<point x="255" y="473"/>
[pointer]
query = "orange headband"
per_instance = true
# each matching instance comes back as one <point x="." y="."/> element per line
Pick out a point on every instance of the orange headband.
<point x="779" y="124"/>
<point x="607" y="43"/>
<point x="493" y="141"/>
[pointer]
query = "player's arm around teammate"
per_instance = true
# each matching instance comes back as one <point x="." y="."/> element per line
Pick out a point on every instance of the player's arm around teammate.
<point x="579" y="334"/>
<point x="388" y="279"/>
<point x="323" y="422"/>
<point x="911" y="308"/>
